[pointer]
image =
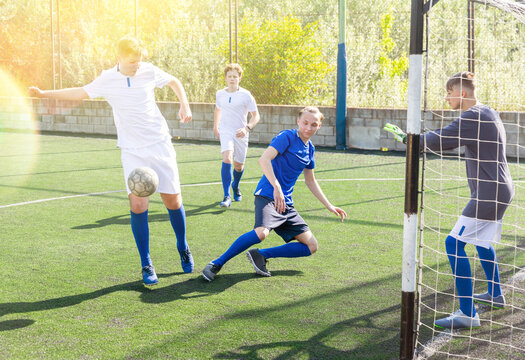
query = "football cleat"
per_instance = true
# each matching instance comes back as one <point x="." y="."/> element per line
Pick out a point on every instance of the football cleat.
<point x="258" y="261"/>
<point x="497" y="302"/>
<point x="148" y="275"/>
<point x="458" y="320"/>
<point x="226" y="203"/>
<point x="186" y="261"/>
<point x="210" y="271"/>
<point x="237" y="196"/>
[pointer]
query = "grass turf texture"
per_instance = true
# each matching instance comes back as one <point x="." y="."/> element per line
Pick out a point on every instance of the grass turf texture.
<point x="71" y="284"/>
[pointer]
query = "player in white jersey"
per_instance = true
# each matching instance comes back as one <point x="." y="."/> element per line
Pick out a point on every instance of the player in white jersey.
<point x="231" y="127"/>
<point x="143" y="137"/>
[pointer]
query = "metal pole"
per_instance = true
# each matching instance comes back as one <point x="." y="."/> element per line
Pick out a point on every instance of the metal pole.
<point x="470" y="37"/>
<point x="408" y="286"/>
<point x="340" y="102"/>
<point x="52" y="45"/>
<point x="236" y="32"/>
<point x="59" y="47"/>
<point x="230" y="28"/>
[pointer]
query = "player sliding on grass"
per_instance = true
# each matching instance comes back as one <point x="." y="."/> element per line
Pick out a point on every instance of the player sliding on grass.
<point x="480" y="129"/>
<point x="232" y="107"/>
<point x="290" y="153"/>
<point x="144" y="138"/>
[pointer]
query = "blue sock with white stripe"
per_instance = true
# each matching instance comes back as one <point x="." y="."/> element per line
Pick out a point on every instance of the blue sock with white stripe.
<point x="237" y="178"/>
<point x="489" y="262"/>
<point x="462" y="274"/>
<point x="140" y="229"/>
<point x="289" y="250"/>
<point x="242" y="243"/>
<point x="226" y="176"/>
<point x="178" y="223"/>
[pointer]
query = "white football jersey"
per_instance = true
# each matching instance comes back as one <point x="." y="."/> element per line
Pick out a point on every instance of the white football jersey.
<point x="137" y="117"/>
<point x="234" y="108"/>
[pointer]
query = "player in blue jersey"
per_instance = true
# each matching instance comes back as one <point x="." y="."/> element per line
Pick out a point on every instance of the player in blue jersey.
<point x="480" y="129"/>
<point x="290" y="153"/>
<point x="143" y="137"/>
<point x="231" y="127"/>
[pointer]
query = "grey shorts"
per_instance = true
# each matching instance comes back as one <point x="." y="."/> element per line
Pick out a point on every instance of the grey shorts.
<point x="287" y="225"/>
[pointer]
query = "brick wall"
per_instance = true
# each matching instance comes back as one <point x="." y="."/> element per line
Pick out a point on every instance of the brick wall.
<point x="364" y="126"/>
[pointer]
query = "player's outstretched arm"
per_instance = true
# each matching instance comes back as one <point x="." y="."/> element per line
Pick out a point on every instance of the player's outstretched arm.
<point x="184" y="112"/>
<point x="399" y="134"/>
<point x="73" y="94"/>
<point x="265" y="161"/>
<point x="313" y="185"/>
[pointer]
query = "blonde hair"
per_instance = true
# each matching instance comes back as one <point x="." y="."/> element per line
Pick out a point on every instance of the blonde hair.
<point x="312" y="110"/>
<point x="464" y="79"/>
<point x="233" y="67"/>
<point x="131" y="46"/>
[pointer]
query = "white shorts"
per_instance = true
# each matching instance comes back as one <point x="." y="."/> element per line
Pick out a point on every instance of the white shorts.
<point x="162" y="158"/>
<point x="477" y="232"/>
<point x="239" y="146"/>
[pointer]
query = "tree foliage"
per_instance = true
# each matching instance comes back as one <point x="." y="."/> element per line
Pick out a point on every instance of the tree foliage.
<point x="284" y="62"/>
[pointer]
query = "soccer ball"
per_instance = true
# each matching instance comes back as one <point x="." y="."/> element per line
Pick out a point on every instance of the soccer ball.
<point x="143" y="181"/>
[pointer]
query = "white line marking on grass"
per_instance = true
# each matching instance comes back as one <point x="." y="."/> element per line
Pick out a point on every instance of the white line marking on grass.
<point x="184" y="185"/>
<point x="59" y="198"/>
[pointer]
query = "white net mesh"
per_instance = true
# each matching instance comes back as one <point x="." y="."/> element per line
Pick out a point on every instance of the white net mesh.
<point x="500" y="74"/>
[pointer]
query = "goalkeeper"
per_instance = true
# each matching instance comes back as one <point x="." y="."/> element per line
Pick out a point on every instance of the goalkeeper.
<point x="480" y="129"/>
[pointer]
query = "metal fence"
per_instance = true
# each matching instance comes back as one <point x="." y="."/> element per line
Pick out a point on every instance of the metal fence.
<point x="288" y="48"/>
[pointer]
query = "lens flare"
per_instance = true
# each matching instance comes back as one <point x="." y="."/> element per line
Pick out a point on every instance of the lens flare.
<point x="19" y="139"/>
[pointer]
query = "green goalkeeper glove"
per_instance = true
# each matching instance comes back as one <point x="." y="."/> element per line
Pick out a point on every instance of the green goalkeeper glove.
<point x="398" y="133"/>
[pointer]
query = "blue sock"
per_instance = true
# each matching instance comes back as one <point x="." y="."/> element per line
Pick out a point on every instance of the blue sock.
<point x="226" y="176"/>
<point x="462" y="274"/>
<point x="140" y="229"/>
<point x="242" y="243"/>
<point x="178" y="222"/>
<point x="289" y="250"/>
<point x="236" y="178"/>
<point x="489" y="262"/>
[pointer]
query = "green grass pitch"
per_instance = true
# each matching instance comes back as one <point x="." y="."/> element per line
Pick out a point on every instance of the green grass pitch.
<point x="71" y="285"/>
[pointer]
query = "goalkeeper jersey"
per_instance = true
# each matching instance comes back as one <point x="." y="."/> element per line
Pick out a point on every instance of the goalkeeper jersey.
<point x="481" y="131"/>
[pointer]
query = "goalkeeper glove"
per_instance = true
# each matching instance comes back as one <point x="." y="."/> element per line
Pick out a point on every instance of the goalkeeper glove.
<point x="398" y="133"/>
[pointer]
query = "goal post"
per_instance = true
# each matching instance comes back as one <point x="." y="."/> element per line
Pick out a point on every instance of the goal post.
<point x="442" y="38"/>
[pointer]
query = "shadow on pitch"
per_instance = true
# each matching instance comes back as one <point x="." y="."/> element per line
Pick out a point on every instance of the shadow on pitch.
<point x="15" y="324"/>
<point x="189" y="289"/>
<point x="198" y="287"/>
<point x="153" y="216"/>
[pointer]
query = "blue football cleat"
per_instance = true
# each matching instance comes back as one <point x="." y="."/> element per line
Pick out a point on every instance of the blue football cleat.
<point x="148" y="275"/>
<point x="186" y="261"/>
<point x="237" y="195"/>
<point x="226" y="202"/>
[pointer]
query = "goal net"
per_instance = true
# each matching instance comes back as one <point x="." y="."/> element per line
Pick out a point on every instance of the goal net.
<point x="486" y="37"/>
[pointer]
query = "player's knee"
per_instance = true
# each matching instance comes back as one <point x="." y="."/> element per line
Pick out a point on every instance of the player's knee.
<point x="452" y="245"/>
<point x="312" y="245"/>
<point x="262" y="232"/>
<point x="137" y="204"/>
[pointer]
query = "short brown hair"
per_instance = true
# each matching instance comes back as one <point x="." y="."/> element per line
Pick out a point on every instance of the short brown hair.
<point x="312" y="110"/>
<point x="231" y="67"/>
<point x="464" y="79"/>
<point x="131" y="46"/>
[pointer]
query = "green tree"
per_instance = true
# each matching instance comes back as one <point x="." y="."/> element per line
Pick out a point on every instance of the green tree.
<point x="283" y="61"/>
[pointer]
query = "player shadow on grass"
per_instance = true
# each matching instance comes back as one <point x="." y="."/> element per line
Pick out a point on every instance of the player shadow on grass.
<point x="15" y="324"/>
<point x="153" y="216"/>
<point x="198" y="287"/>
<point x="191" y="288"/>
